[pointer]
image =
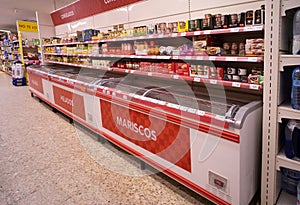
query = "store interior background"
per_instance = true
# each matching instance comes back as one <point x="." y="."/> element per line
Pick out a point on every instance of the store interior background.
<point x="13" y="10"/>
<point x="133" y="15"/>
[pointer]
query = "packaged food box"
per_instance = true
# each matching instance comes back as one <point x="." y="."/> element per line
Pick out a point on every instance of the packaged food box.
<point x="173" y="26"/>
<point x="183" y="26"/>
<point x="182" y="69"/>
<point x="194" y="25"/>
<point x="254" y="47"/>
<point x="213" y="51"/>
<point x="206" y="23"/>
<point x="199" y="71"/>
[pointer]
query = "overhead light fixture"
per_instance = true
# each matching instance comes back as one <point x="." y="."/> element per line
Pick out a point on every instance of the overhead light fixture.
<point x="4" y="31"/>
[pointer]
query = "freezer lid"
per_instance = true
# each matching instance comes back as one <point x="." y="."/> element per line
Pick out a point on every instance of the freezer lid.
<point x="243" y="111"/>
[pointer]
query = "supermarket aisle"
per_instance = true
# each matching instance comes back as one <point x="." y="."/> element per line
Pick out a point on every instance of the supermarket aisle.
<point x="43" y="161"/>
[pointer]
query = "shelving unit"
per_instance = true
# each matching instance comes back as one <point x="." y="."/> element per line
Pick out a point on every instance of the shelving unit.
<point x="283" y="161"/>
<point x="199" y="59"/>
<point x="286" y="112"/>
<point x="8" y="53"/>
<point x="276" y="101"/>
<point x="288" y="60"/>
<point x="286" y="199"/>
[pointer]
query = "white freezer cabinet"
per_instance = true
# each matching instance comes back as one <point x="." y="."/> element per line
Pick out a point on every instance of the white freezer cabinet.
<point x="202" y="136"/>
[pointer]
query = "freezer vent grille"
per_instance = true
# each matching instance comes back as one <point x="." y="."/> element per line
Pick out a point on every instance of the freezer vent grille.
<point x="90" y="117"/>
<point x="219" y="193"/>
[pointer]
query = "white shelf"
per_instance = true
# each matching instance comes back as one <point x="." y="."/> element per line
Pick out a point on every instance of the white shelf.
<point x="286" y="199"/>
<point x="286" y="111"/>
<point x="288" y="60"/>
<point x="221" y="58"/>
<point x="288" y="4"/>
<point x="283" y="161"/>
<point x="199" y="58"/>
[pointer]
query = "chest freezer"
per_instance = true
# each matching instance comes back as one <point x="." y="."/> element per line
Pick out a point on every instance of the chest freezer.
<point x="202" y="136"/>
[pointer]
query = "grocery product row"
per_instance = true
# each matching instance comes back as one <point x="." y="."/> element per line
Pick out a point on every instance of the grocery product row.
<point x="198" y="46"/>
<point x="250" y="75"/>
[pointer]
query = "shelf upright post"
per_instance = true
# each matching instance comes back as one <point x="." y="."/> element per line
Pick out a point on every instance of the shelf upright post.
<point x="269" y="191"/>
<point x="21" y="47"/>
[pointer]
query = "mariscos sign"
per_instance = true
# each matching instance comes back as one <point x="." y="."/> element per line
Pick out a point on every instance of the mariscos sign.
<point x="85" y="8"/>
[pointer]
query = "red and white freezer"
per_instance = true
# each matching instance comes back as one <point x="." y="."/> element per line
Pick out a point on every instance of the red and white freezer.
<point x="199" y="135"/>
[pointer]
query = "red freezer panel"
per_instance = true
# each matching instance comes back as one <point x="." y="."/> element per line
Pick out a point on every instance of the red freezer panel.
<point x="70" y="101"/>
<point x="165" y="139"/>
<point x="36" y="83"/>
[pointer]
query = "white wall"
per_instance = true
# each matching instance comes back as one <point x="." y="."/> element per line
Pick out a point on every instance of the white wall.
<point x="46" y="27"/>
<point x="156" y="11"/>
<point x="199" y="8"/>
<point x="29" y="35"/>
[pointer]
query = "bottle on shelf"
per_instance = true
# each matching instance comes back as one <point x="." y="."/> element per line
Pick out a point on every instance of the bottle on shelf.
<point x="26" y="42"/>
<point x="298" y="194"/>
<point x="292" y="139"/>
<point x="296" y="33"/>
<point x="295" y="94"/>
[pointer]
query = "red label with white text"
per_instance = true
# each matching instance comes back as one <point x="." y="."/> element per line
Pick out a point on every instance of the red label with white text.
<point x="168" y="140"/>
<point x="35" y="82"/>
<point x="82" y="9"/>
<point x="70" y="101"/>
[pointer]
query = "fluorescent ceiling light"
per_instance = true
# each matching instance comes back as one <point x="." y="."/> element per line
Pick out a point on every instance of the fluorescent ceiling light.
<point x="4" y="31"/>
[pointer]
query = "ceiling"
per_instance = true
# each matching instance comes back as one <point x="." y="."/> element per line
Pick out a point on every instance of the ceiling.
<point x="13" y="10"/>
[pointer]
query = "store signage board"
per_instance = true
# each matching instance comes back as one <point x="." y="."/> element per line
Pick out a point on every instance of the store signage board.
<point x="168" y="140"/>
<point x="82" y="9"/>
<point x="27" y="26"/>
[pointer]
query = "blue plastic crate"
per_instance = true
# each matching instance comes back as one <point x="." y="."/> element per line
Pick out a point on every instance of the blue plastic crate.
<point x="19" y="81"/>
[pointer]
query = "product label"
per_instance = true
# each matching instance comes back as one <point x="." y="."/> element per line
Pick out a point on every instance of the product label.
<point x="296" y="83"/>
<point x="69" y="101"/>
<point x="168" y="140"/>
<point x="67" y="14"/>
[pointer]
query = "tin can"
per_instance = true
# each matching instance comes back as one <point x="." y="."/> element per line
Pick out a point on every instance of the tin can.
<point x="242" y="71"/>
<point x="234" y="46"/>
<point x="217" y="21"/>
<point x="233" y="20"/>
<point x="249" y="17"/>
<point x="220" y="72"/>
<point x="236" y="78"/>
<point x="226" y="46"/>
<point x="227" y="77"/>
<point x="241" y="19"/>
<point x="231" y="71"/>
<point x="258" y="16"/>
<point x="244" y="79"/>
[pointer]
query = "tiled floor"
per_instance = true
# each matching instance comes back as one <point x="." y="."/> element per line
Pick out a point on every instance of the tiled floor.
<point x="46" y="160"/>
